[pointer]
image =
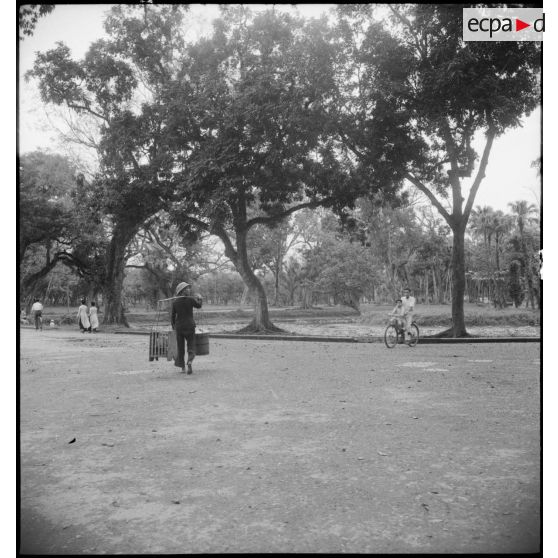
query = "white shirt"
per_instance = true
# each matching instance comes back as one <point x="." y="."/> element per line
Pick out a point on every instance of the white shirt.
<point x="408" y="304"/>
<point x="36" y="306"/>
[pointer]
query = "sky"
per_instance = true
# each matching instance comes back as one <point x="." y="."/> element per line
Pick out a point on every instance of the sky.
<point x="509" y="175"/>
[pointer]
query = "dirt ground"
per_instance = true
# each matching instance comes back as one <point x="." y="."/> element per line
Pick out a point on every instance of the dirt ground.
<point x="276" y="446"/>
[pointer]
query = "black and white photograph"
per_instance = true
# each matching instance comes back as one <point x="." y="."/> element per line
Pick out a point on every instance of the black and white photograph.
<point x="279" y="278"/>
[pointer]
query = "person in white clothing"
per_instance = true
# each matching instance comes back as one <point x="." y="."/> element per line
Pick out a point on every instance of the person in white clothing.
<point x="37" y="311"/>
<point x="93" y="318"/>
<point x="83" y="317"/>
<point x="408" y="304"/>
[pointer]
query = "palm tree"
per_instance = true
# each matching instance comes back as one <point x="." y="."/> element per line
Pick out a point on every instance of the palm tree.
<point x="524" y="213"/>
<point x="481" y="219"/>
<point x="498" y="226"/>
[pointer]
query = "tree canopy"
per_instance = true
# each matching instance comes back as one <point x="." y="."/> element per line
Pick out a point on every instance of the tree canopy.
<point x="263" y="152"/>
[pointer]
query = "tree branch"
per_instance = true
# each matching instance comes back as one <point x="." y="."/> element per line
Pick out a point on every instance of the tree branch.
<point x="430" y="196"/>
<point x="408" y="24"/>
<point x="480" y="173"/>
<point x="87" y="109"/>
<point x="219" y="231"/>
<point x="164" y="247"/>
<point x="345" y="139"/>
<point x="279" y="217"/>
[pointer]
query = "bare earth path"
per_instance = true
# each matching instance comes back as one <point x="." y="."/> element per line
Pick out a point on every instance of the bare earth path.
<point x="276" y="446"/>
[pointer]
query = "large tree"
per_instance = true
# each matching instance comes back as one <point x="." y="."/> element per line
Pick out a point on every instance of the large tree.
<point x="415" y="98"/>
<point x="53" y="227"/>
<point x="118" y="87"/>
<point x="263" y="151"/>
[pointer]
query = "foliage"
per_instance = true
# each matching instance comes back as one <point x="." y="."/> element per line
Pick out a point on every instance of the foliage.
<point x="525" y="215"/>
<point x="167" y="257"/>
<point x="222" y="287"/>
<point x="45" y="199"/>
<point x="338" y="266"/>
<point x="53" y="227"/>
<point x="516" y="290"/>
<point x="28" y="16"/>
<point x="263" y="151"/>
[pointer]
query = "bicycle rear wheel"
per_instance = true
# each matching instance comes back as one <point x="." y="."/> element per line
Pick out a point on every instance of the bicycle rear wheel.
<point x="414" y="335"/>
<point x="390" y="336"/>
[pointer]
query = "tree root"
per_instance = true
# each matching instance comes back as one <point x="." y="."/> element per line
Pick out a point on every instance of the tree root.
<point x="251" y="328"/>
<point x="446" y="333"/>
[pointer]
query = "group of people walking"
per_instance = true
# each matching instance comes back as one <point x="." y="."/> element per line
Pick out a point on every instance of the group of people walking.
<point x="87" y="317"/>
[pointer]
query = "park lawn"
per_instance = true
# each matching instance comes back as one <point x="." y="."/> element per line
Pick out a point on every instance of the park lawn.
<point x="433" y="315"/>
<point x="440" y="315"/>
<point x="333" y="321"/>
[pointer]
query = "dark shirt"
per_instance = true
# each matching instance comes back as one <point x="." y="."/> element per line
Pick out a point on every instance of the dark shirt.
<point x="182" y="315"/>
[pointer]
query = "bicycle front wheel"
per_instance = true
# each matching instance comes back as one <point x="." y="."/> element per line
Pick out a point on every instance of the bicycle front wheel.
<point x="414" y="335"/>
<point x="390" y="336"/>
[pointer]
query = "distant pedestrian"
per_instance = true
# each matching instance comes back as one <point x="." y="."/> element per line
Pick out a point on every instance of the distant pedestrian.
<point x="37" y="311"/>
<point x="83" y="317"/>
<point x="93" y="318"/>
<point x="182" y="321"/>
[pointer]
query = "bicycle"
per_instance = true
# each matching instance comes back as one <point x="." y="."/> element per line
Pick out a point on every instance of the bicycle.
<point x="394" y="334"/>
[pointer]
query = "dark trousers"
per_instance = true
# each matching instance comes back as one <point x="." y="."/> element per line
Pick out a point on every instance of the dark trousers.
<point x="187" y="336"/>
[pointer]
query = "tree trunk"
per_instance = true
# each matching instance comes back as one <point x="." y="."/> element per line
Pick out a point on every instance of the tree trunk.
<point x="261" y="321"/>
<point x="239" y="257"/>
<point x="277" y="271"/>
<point x="114" y="276"/>
<point x="436" y="295"/>
<point x="497" y="253"/>
<point x="307" y="295"/>
<point x="458" y="282"/>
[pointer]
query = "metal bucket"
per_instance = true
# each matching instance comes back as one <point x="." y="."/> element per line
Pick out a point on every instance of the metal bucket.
<point x="202" y="344"/>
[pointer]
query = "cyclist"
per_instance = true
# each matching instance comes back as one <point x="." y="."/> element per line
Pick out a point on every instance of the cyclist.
<point x="408" y="304"/>
<point x="37" y="310"/>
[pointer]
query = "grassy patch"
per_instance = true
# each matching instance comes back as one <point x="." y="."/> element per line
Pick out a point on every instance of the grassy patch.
<point x="371" y="314"/>
<point x="440" y="315"/>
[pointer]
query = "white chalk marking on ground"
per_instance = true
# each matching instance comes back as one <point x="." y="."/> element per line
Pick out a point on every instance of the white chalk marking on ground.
<point x="417" y="364"/>
<point x="480" y="360"/>
<point x="274" y="394"/>
<point x="436" y="370"/>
